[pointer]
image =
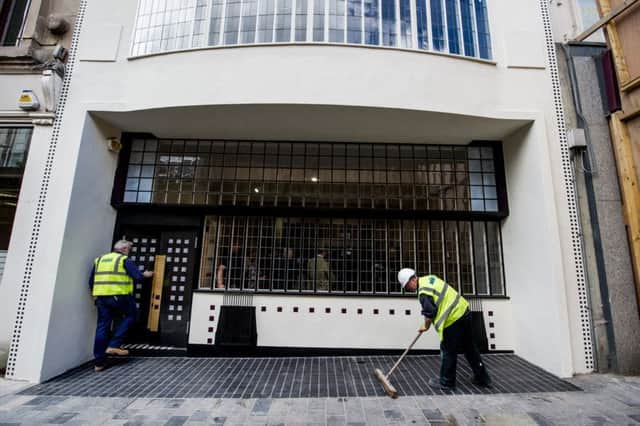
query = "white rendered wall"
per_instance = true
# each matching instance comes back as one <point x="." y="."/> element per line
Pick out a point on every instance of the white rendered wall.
<point x="78" y="222"/>
<point x="533" y="255"/>
<point x="77" y="227"/>
<point x="499" y="325"/>
<point x="87" y="233"/>
<point x="18" y="245"/>
<point x="319" y="329"/>
<point x="319" y="74"/>
<point x="11" y="85"/>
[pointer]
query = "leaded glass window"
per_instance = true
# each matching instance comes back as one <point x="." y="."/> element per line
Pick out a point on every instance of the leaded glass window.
<point x="458" y="27"/>
<point x="418" y="178"/>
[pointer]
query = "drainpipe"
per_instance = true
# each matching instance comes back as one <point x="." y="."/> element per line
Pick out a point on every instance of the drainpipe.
<point x="593" y="213"/>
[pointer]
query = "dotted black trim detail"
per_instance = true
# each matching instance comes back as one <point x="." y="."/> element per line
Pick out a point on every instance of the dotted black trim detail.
<point x="42" y="197"/>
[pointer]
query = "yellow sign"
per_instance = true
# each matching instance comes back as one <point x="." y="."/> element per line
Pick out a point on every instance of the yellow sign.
<point x="24" y="98"/>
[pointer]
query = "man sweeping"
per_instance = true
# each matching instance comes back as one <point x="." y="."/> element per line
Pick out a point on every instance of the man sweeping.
<point x="449" y="313"/>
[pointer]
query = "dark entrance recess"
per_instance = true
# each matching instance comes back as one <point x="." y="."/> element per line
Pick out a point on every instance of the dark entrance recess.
<point x="180" y="248"/>
<point x="237" y="327"/>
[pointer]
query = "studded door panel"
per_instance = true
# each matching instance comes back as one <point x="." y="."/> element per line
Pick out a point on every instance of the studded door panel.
<point x="180" y="249"/>
<point x="145" y="247"/>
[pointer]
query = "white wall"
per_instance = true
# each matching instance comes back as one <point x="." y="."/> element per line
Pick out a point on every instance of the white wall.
<point x="76" y="227"/>
<point x="335" y="329"/>
<point x="11" y="85"/>
<point x="88" y="233"/>
<point x="317" y="74"/>
<point x="533" y="255"/>
<point x="14" y="271"/>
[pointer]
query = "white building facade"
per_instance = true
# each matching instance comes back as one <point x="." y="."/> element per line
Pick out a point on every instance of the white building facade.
<point x="312" y="148"/>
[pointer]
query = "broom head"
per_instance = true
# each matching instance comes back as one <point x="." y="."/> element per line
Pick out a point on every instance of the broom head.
<point x="388" y="387"/>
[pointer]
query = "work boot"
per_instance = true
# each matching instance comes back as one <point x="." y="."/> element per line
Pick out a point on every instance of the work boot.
<point x="434" y="382"/>
<point x="117" y="351"/>
<point x="485" y="383"/>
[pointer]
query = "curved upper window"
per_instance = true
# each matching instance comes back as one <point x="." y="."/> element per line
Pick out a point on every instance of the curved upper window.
<point x="458" y="27"/>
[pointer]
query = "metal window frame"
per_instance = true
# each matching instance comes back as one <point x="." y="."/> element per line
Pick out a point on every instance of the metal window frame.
<point x="26" y="152"/>
<point x="498" y="163"/>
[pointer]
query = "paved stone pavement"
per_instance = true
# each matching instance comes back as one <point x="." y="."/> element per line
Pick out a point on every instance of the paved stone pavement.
<point x="290" y="377"/>
<point x="605" y="400"/>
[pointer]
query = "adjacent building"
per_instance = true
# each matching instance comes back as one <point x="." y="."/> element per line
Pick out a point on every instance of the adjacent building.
<point x="600" y="129"/>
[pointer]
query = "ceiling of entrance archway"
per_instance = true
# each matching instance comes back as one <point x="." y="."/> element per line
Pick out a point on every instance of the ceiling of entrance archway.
<point x="312" y="122"/>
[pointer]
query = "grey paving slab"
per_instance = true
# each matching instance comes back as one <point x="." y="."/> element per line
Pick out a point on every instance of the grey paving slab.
<point x="605" y="400"/>
<point x="336" y="421"/>
<point x="261" y="407"/>
<point x="176" y="421"/>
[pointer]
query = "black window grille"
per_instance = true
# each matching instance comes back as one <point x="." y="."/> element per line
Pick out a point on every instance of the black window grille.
<point x="347" y="255"/>
<point x="315" y="175"/>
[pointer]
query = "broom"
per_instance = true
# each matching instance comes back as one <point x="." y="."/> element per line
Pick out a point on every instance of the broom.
<point x="384" y="379"/>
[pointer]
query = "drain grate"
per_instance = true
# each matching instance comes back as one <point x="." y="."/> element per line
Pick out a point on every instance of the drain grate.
<point x="173" y="377"/>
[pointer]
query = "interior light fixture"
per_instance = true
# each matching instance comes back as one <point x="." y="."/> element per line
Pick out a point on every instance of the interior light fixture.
<point x="314" y="179"/>
<point x="256" y="190"/>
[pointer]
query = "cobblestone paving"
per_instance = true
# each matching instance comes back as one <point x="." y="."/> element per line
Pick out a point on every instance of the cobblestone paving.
<point x="289" y="378"/>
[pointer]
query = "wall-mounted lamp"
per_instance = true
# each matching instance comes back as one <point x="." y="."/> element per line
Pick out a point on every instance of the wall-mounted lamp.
<point x="114" y="145"/>
<point x="51" y="87"/>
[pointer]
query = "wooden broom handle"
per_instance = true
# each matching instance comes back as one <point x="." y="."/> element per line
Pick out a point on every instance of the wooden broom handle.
<point x="403" y="355"/>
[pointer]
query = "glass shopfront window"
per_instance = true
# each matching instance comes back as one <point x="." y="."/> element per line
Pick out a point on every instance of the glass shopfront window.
<point x="342" y="217"/>
<point x="347" y="255"/>
<point x="315" y="175"/>
<point x="457" y="26"/>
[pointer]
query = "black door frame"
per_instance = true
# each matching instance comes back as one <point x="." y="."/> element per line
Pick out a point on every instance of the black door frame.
<point x="160" y="222"/>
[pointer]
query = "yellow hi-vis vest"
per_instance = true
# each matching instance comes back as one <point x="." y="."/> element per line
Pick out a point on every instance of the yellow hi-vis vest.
<point x="111" y="278"/>
<point x="451" y="306"/>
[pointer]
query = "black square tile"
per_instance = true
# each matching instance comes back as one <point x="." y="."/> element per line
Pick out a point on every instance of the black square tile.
<point x="267" y="378"/>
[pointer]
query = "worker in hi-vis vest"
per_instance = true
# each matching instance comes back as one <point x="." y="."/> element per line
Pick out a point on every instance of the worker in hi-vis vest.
<point x="111" y="284"/>
<point x="449" y="313"/>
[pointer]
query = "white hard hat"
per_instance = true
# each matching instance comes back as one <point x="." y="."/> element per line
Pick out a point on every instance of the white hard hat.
<point x="405" y="275"/>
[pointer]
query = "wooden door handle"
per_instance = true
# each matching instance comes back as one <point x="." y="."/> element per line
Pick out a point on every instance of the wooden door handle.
<point x="156" y="293"/>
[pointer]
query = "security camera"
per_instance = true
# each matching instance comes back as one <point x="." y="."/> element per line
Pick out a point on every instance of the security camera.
<point x="59" y="52"/>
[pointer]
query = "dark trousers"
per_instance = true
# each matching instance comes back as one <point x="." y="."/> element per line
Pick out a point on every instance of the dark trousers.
<point x="111" y="308"/>
<point x="458" y="338"/>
